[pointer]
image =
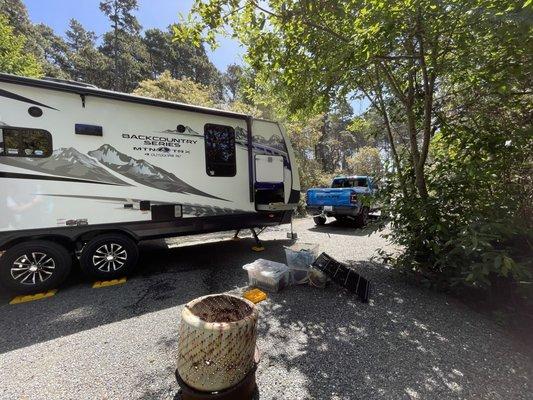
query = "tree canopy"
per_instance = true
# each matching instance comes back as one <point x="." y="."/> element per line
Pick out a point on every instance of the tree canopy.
<point x="451" y="84"/>
<point x="13" y="58"/>
<point x="180" y="90"/>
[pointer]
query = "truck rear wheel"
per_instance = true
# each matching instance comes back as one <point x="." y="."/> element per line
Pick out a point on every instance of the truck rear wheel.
<point x="109" y="256"/>
<point x="319" y="220"/>
<point x="362" y="218"/>
<point x="34" y="266"/>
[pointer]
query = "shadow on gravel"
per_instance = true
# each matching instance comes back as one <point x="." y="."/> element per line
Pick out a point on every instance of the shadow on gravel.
<point x="406" y="343"/>
<point x="344" y="228"/>
<point x="165" y="278"/>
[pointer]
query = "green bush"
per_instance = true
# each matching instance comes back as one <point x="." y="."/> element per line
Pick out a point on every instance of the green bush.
<point x="476" y="226"/>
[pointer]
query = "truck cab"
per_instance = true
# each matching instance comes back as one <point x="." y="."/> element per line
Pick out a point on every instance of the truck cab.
<point x="348" y="199"/>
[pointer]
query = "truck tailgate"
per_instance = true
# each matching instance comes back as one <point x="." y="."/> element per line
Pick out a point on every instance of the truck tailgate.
<point x="329" y="197"/>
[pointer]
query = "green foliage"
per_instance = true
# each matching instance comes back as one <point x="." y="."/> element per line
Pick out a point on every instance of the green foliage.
<point x="123" y="46"/>
<point x="367" y="161"/>
<point x="180" y="59"/>
<point x="120" y="13"/>
<point x="232" y="81"/>
<point x="180" y="90"/>
<point x="52" y="49"/>
<point x="39" y="40"/>
<point x="85" y="62"/>
<point x="451" y="83"/>
<point x="124" y="57"/>
<point x="13" y="58"/>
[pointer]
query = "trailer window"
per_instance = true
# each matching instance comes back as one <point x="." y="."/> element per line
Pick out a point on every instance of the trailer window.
<point x="25" y="142"/>
<point x="220" y="150"/>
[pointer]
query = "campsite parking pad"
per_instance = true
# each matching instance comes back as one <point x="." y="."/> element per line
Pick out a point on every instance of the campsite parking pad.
<point x="119" y="342"/>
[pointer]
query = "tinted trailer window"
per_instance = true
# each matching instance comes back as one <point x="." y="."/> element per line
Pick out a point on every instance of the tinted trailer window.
<point x="24" y="142"/>
<point x="220" y="150"/>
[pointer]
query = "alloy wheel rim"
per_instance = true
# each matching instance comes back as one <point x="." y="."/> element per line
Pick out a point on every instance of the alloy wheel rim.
<point x="33" y="269"/>
<point x="110" y="257"/>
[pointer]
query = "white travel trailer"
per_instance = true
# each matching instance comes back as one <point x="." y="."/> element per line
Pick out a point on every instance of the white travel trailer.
<point x="92" y="172"/>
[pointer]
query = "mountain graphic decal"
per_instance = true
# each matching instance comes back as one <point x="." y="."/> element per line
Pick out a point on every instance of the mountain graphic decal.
<point x="188" y="132"/>
<point x="66" y="162"/>
<point x="143" y="172"/>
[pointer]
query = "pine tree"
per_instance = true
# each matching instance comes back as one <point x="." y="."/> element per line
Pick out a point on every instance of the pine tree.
<point x="232" y="81"/>
<point x="123" y="45"/>
<point x="86" y="63"/>
<point x="79" y="38"/>
<point x="182" y="60"/>
<point x="53" y="50"/>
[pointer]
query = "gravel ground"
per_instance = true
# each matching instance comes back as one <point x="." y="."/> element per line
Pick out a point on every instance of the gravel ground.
<point x="120" y="342"/>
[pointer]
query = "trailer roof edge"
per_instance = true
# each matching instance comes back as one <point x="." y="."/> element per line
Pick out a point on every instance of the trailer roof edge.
<point x="108" y="94"/>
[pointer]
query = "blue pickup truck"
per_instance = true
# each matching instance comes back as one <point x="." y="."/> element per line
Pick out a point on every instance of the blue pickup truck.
<point x="349" y="198"/>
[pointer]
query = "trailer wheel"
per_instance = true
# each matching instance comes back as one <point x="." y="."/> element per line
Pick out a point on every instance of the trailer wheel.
<point x="319" y="220"/>
<point x="109" y="256"/>
<point x="34" y="266"/>
<point x="362" y="218"/>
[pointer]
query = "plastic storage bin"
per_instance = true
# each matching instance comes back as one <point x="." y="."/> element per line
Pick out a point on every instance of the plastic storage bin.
<point x="268" y="275"/>
<point x="299" y="258"/>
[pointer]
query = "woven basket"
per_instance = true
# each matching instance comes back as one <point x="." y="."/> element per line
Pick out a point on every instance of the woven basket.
<point x="216" y="341"/>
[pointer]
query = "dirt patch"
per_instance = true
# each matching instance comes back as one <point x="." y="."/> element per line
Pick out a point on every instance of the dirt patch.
<point x="221" y="308"/>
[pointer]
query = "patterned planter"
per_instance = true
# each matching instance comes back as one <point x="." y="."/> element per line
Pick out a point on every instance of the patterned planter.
<point x="217" y="341"/>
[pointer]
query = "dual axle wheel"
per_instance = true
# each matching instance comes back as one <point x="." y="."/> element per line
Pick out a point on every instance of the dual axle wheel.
<point x="41" y="265"/>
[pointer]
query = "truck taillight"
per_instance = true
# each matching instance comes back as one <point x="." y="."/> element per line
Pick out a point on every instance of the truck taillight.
<point x="353" y="198"/>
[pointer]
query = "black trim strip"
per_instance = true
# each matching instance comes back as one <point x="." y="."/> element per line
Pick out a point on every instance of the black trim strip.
<point x="14" y="175"/>
<point x="250" y="158"/>
<point x="294" y="197"/>
<point x="17" y="97"/>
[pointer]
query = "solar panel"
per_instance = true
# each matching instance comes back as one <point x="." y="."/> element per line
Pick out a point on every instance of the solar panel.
<point x="344" y="276"/>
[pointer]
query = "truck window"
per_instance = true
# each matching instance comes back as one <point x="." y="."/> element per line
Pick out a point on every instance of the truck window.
<point x="349" y="182"/>
<point x="220" y="150"/>
<point x="340" y="183"/>
<point x="360" y="182"/>
<point x="25" y="142"/>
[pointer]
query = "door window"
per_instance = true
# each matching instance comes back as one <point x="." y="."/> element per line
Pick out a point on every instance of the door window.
<point x="220" y="150"/>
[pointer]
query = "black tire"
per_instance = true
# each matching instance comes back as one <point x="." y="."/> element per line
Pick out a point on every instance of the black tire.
<point x="362" y="218"/>
<point x="319" y="220"/>
<point x="123" y="253"/>
<point x="34" y="266"/>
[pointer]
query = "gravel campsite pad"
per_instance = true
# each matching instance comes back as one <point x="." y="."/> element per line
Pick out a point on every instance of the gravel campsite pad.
<point x="120" y="342"/>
